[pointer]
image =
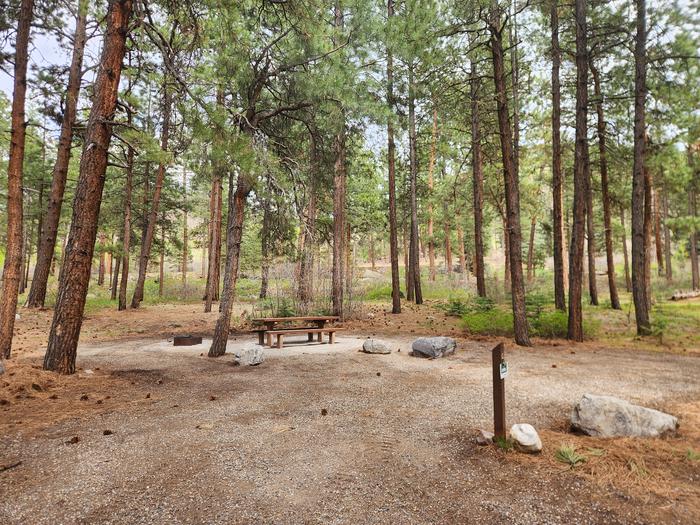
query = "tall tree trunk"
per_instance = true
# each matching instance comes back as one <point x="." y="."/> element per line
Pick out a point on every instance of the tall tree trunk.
<point x="52" y="216"/>
<point x="448" y="245"/>
<point x="628" y="280"/>
<point x="693" y="240"/>
<point x="265" y="249"/>
<point x="531" y="249"/>
<point x="126" y="234"/>
<point x="101" y="266"/>
<point x="657" y="233"/>
<point x="408" y="275"/>
<point x="510" y="175"/>
<point x="75" y="274"/>
<point x="460" y="247"/>
<point x="11" y="275"/>
<point x="147" y="240"/>
<point x="431" y="186"/>
<point x="667" y="239"/>
<point x="575" y="328"/>
<point x="603" y="160"/>
<point x="234" y="235"/>
<point x="348" y="262"/>
<point x="648" y="227"/>
<point x="506" y="255"/>
<point x="339" y="175"/>
<point x="391" y="154"/>
<point x="115" y="280"/>
<point x="477" y="182"/>
<point x="414" y="253"/>
<point x="161" y="262"/>
<point x="557" y="178"/>
<point x="639" y="257"/>
<point x="590" y="226"/>
<point x="307" y="255"/>
<point x="212" y="284"/>
<point x="185" y="234"/>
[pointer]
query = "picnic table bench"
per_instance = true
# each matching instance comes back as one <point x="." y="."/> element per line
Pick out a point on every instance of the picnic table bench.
<point x="270" y="328"/>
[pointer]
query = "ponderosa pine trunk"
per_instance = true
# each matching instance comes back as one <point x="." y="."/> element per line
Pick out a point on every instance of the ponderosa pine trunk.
<point x="101" y="263"/>
<point x="625" y="251"/>
<point x="185" y="234"/>
<point x="12" y="275"/>
<point x="511" y="183"/>
<point x="52" y="216"/>
<point x="75" y="273"/>
<point x="447" y="228"/>
<point x="391" y="154"/>
<point x="234" y="235"/>
<point x="639" y="257"/>
<point x="578" y="233"/>
<point x="693" y="239"/>
<point x="557" y="178"/>
<point x="590" y="238"/>
<point x="431" y="186"/>
<point x="306" y="265"/>
<point x="667" y="239"/>
<point x="658" y="244"/>
<point x="531" y="250"/>
<point x="126" y="233"/>
<point x="115" y="280"/>
<point x="147" y="241"/>
<point x="414" y="250"/>
<point x="265" y="249"/>
<point x="604" y="190"/>
<point x="477" y="182"/>
<point x="339" y="176"/>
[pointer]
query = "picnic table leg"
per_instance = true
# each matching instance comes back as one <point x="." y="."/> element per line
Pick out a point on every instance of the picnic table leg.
<point x="269" y="339"/>
<point x="261" y="337"/>
<point x="320" y="337"/>
<point x="280" y="339"/>
<point x="311" y="336"/>
<point x="331" y="337"/>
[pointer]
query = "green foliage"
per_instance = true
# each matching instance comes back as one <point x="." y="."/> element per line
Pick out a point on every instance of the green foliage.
<point x="692" y="455"/>
<point x="567" y="454"/>
<point x="504" y="444"/>
<point x="495" y="322"/>
<point x="550" y="325"/>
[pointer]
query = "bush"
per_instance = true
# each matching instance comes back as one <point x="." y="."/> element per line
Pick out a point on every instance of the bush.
<point x="379" y="293"/>
<point x="550" y="324"/>
<point x="492" y="322"/>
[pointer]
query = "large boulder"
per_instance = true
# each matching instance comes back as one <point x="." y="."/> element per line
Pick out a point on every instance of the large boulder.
<point x="433" y="347"/>
<point x="250" y="355"/>
<point x="375" y="346"/>
<point x="606" y="416"/>
<point x="525" y="438"/>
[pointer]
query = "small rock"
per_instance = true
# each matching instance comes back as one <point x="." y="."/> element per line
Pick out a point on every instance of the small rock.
<point x="17" y="317"/>
<point x="250" y="355"/>
<point x="606" y="416"/>
<point x="433" y="347"/>
<point x="324" y="412"/>
<point x="84" y="397"/>
<point x="375" y="346"/>
<point x="525" y="438"/>
<point x="484" y="437"/>
<point x="212" y="398"/>
<point x="37" y="387"/>
<point x="73" y="440"/>
<point x="107" y="432"/>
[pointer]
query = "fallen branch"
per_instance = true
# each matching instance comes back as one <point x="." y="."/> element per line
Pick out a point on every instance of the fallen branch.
<point x="679" y="295"/>
<point x="3" y="468"/>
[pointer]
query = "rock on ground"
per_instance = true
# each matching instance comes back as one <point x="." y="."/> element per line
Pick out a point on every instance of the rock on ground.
<point x="484" y="437"/>
<point x="433" y="347"/>
<point x="525" y="438"/>
<point x="606" y="416"/>
<point x="250" y="355"/>
<point x="375" y="346"/>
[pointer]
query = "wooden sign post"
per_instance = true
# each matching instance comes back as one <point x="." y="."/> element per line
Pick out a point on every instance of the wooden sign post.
<point x="500" y="370"/>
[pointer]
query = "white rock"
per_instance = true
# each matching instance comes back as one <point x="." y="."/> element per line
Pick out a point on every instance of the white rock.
<point x="17" y="317"/>
<point x="606" y="416"/>
<point x="375" y="346"/>
<point x="250" y="355"/>
<point x="433" y="347"/>
<point x="525" y="438"/>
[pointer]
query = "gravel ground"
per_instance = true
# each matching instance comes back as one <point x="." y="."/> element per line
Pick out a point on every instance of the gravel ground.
<point x="321" y="434"/>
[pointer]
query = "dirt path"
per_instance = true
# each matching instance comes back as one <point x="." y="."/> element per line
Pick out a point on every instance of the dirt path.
<point x="194" y="440"/>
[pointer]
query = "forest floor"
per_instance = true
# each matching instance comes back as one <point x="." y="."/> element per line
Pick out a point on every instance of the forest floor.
<point x="148" y="433"/>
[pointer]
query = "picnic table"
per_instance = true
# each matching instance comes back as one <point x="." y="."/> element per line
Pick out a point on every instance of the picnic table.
<point x="271" y="327"/>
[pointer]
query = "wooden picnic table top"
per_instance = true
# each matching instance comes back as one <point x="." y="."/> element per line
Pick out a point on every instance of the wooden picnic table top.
<point x="296" y="318"/>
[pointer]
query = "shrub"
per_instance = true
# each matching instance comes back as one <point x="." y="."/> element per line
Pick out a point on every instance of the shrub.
<point x="567" y="454"/>
<point x="550" y="324"/>
<point x="492" y="322"/>
<point x="379" y="293"/>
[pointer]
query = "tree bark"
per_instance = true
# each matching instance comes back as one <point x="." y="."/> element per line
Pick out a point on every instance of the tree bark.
<point x="603" y="160"/>
<point x="339" y="175"/>
<point x="101" y="265"/>
<point x="448" y="245"/>
<point x="234" y="235"/>
<point x="115" y="279"/>
<point x="52" y="216"/>
<point x="126" y="234"/>
<point x="414" y="250"/>
<point x="658" y="244"/>
<point x="590" y="226"/>
<point x="510" y="175"/>
<point x="628" y="281"/>
<point x="531" y="250"/>
<point x="12" y="275"/>
<point x="667" y="239"/>
<point x="265" y="249"/>
<point x="693" y="238"/>
<point x="575" y="328"/>
<point x="431" y="186"/>
<point x="75" y="274"/>
<point x="147" y="241"/>
<point x="477" y="182"/>
<point x="391" y="154"/>
<point x="306" y="267"/>
<point x="557" y="178"/>
<point x="185" y="234"/>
